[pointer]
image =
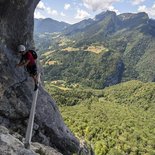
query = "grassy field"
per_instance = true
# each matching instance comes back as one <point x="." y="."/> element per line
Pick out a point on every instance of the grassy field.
<point x="96" y="49"/>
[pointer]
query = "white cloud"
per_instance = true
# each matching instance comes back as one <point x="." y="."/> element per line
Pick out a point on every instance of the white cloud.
<point x="67" y="6"/>
<point x="81" y="14"/>
<point x="38" y="15"/>
<point x="142" y="8"/>
<point x="41" y="6"/>
<point x="98" y="4"/>
<point x="111" y="8"/>
<point x="137" y="2"/>
<point x="45" y="10"/>
<point x="51" y="12"/>
<point x="62" y="14"/>
<point x="149" y="10"/>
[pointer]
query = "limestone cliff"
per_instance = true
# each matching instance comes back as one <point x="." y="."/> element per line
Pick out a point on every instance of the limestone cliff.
<point x="16" y="27"/>
<point x="12" y="145"/>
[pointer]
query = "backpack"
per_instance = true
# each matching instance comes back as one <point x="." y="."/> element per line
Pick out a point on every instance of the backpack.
<point x="34" y="54"/>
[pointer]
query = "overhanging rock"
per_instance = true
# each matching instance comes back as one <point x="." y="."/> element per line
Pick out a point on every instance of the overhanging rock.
<point x="16" y="27"/>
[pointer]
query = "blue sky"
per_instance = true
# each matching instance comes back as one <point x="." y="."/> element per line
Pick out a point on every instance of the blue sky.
<point x="73" y="11"/>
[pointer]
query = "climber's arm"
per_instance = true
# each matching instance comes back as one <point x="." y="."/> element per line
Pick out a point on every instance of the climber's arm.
<point x="23" y="63"/>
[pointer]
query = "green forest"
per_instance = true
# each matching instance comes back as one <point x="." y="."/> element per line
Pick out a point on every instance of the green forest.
<point x="117" y="120"/>
<point x="84" y="67"/>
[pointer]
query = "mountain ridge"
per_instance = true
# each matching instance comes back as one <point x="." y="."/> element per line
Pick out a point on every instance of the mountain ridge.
<point x="48" y="25"/>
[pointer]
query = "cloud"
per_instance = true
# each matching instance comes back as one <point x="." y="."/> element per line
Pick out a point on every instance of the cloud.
<point x="41" y="6"/>
<point x="98" y="4"/>
<point x="51" y="11"/>
<point x="149" y="10"/>
<point x="44" y="9"/>
<point x="111" y="8"/>
<point x="62" y="14"/>
<point x="153" y="6"/>
<point x="142" y="8"/>
<point x="67" y="6"/>
<point x="38" y="15"/>
<point x="137" y="2"/>
<point x="81" y="14"/>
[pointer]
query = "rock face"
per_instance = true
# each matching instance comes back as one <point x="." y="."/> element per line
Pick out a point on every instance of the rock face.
<point x="16" y="90"/>
<point x="12" y="145"/>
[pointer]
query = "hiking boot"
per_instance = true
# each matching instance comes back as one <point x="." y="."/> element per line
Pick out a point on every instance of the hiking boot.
<point x="35" y="87"/>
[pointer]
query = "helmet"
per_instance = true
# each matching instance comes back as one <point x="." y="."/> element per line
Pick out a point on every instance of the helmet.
<point x="21" y="48"/>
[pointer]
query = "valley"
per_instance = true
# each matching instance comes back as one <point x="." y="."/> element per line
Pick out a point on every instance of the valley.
<point x="101" y="75"/>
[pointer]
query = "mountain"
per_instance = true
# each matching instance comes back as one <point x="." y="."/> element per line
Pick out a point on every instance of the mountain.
<point x="123" y="48"/>
<point x="48" y="25"/>
<point x="84" y="67"/>
<point x="104" y="22"/>
<point x="108" y="23"/>
<point x="78" y="26"/>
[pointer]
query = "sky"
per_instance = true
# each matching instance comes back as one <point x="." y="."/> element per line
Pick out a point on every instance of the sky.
<point x="73" y="11"/>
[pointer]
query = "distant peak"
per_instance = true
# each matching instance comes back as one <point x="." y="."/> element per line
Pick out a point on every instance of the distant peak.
<point x="104" y="14"/>
<point x="126" y="16"/>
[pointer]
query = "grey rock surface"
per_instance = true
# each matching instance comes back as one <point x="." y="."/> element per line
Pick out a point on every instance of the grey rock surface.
<point x="9" y="145"/>
<point x="16" y="88"/>
<point x="45" y="149"/>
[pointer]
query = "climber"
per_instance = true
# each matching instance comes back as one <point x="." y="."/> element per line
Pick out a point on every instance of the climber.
<point x="28" y="61"/>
